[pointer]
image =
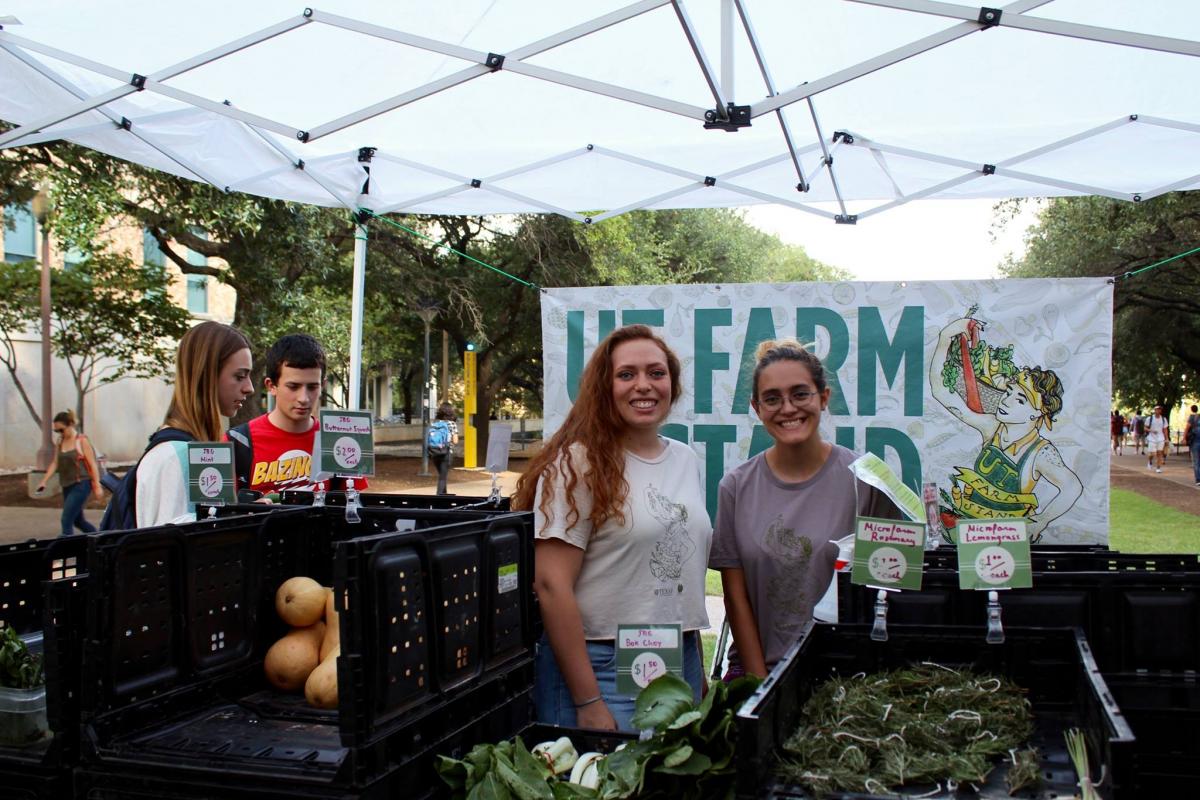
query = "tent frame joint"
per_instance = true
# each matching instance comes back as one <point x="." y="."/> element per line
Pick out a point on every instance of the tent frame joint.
<point x="846" y="219"/>
<point x="494" y="61"/>
<point x="990" y="17"/>
<point x="138" y="81"/>
<point x="988" y="169"/>
<point x="730" y="119"/>
<point x="365" y="154"/>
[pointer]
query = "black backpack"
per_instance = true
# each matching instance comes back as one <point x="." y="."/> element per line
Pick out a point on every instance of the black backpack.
<point x="243" y="461"/>
<point x="121" y="514"/>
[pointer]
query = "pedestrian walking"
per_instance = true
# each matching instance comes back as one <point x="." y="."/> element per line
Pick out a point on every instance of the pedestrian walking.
<point x="1191" y="438"/>
<point x="78" y="473"/>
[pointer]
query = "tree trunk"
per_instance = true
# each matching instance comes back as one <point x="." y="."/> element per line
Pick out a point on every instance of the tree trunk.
<point x="37" y="418"/>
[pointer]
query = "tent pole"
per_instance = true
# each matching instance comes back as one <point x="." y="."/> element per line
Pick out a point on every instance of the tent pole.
<point x="727" y="47"/>
<point x="356" y="308"/>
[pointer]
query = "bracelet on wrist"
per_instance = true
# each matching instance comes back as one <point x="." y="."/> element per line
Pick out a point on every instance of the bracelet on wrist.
<point x="589" y="701"/>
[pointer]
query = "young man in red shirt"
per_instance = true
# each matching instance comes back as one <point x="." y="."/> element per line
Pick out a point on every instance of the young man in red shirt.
<point x="273" y="453"/>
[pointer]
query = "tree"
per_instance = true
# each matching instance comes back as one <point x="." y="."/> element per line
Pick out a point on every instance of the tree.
<point x="502" y="316"/>
<point x="18" y="311"/>
<point x="110" y="322"/>
<point x="1156" y="313"/>
<point x="267" y="245"/>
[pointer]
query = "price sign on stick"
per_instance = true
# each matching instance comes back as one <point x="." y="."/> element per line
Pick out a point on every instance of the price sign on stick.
<point x="644" y="652"/>
<point x="344" y="445"/>
<point x="888" y="554"/>
<point x="993" y="554"/>
<point x="210" y="473"/>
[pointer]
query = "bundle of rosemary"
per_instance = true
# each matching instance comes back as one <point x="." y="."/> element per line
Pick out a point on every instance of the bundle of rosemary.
<point x="923" y="725"/>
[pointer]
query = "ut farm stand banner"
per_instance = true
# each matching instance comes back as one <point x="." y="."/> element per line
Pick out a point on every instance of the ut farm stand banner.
<point x="997" y="391"/>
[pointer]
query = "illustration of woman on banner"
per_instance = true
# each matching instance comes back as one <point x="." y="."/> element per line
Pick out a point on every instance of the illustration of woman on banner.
<point x="1011" y="407"/>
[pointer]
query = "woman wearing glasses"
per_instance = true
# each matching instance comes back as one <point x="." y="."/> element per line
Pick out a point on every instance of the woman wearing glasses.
<point x="77" y="473"/>
<point x="777" y="512"/>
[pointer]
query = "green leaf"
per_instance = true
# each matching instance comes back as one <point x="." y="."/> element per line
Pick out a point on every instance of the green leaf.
<point x="452" y="771"/>
<point x="662" y="702"/>
<point x="490" y="788"/>
<point x="679" y="756"/>
<point x="565" y="790"/>
<point x="696" y="763"/>
<point x="531" y="768"/>
<point x="685" y="719"/>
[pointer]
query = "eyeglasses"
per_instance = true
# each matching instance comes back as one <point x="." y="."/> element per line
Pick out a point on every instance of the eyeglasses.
<point x="798" y="398"/>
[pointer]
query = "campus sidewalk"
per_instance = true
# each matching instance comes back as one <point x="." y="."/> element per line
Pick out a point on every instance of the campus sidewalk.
<point x="1177" y="467"/>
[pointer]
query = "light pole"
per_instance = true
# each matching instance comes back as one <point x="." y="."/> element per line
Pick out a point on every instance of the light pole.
<point x="41" y="212"/>
<point x="427" y="311"/>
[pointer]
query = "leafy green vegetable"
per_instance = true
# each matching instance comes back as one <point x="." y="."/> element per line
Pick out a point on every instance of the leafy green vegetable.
<point x="689" y="757"/>
<point x="19" y="668"/>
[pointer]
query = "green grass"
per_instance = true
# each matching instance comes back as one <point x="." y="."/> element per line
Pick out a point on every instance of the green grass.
<point x="709" y="641"/>
<point x="1137" y="524"/>
<point x="712" y="584"/>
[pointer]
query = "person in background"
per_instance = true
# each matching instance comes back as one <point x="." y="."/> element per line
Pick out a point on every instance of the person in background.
<point x="1116" y="427"/>
<point x="1157" y="440"/>
<point x="78" y="473"/>
<point x="621" y="531"/>
<point x="273" y="452"/>
<point x="1139" y="432"/>
<point x="1191" y="438"/>
<point x="447" y="418"/>
<point x="212" y="380"/>
<point x="778" y="512"/>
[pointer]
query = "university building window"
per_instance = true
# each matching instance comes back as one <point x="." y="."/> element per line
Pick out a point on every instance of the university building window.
<point x="20" y="234"/>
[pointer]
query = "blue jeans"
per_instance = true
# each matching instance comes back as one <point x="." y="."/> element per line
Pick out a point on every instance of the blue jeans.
<point x="75" y="496"/>
<point x="553" y="700"/>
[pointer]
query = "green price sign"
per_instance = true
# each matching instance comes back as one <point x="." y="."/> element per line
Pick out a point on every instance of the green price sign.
<point x="645" y="652"/>
<point x="210" y="473"/>
<point x="344" y="445"/>
<point x="993" y="554"/>
<point x="888" y="554"/>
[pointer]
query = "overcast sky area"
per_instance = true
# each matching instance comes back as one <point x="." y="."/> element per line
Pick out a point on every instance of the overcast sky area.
<point x="924" y="240"/>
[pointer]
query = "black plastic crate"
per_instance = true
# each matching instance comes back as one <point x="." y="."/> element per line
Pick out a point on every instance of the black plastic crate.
<point x="1054" y="665"/>
<point x="32" y="784"/>
<point x="1143" y="613"/>
<point x="1164" y="712"/>
<point x="179" y="618"/>
<point x="238" y="751"/>
<point x="454" y="602"/>
<point x="23" y="567"/>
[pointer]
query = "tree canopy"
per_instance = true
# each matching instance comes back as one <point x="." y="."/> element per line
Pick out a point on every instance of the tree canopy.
<point x="1156" y="312"/>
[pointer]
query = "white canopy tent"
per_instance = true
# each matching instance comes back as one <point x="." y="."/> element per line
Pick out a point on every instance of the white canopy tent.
<point x="839" y="108"/>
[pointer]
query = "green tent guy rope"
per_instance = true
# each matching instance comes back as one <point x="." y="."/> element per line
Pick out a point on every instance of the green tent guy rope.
<point x="1158" y="264"/>
<point x="436" y="243"/>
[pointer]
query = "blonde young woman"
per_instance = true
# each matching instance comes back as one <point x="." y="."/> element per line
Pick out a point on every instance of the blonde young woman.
<point x="778" y="512"/>
<point x="212" y="379"/>
<point x="622" y="533"/>
<point x="78" y="473"/>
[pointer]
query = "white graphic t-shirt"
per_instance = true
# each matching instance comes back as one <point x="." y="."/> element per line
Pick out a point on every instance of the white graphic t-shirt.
<point x="651" y="569"/>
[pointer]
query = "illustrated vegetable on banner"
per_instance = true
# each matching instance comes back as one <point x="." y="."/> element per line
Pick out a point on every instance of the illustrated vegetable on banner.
<point x="997" y="392"/>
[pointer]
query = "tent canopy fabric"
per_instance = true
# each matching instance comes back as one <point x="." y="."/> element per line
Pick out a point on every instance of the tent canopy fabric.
<point x="842" y="108"/>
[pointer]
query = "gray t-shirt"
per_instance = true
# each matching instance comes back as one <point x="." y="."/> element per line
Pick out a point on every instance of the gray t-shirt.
<point x="779" y="534"/>
<point x="651" y="568"/>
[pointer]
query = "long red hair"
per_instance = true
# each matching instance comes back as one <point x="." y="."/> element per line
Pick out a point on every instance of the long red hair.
<point x="595" y="423"/>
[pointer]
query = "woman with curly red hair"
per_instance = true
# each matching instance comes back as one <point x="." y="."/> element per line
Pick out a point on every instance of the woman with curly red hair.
<point x="622" y="532"/>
